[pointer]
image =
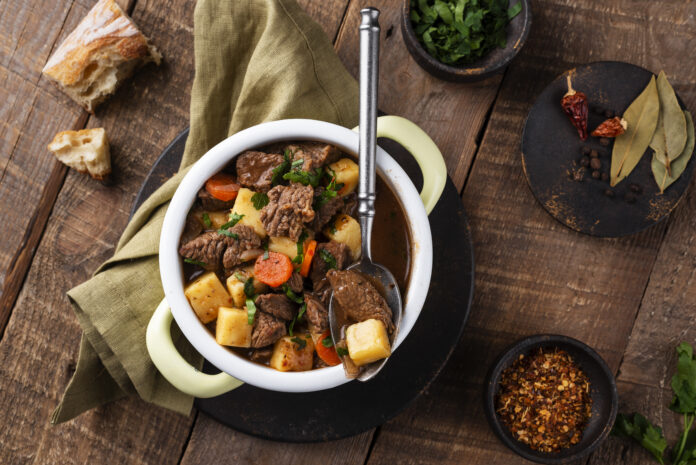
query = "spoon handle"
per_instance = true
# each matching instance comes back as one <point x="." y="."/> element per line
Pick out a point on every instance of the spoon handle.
<point x="369" y="75"/>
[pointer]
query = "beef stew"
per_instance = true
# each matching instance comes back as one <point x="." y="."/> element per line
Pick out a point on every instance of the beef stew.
<point x="268" y="241"/>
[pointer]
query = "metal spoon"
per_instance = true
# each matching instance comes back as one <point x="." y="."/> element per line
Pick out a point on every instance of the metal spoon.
<point x="369" y="72"/>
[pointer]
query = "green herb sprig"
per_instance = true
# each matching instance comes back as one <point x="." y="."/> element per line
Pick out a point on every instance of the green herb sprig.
<point x="260" y="200"/>
<point x="299" y="258"/>
<point x="328" y="258"/>
<point x="458" y="32"/>
<point x="194" y="262"/>
<point x="640" y="429"/>
<point x="281" y="169"/>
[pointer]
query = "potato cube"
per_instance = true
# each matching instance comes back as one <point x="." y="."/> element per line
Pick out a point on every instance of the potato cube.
<point x="246" y="272"/>
<point x="367" y="342"/>
<point x="235" y="287"/>
<point x="347" y="230"/>
<point x="285" y="245"/>
<point x="290" y="354"/>
<point x="232" y="327"/>
<point x="217" y="219"/>
<point x="244" y="206"/>
<point x="347" y="174"/>
<point x="206" y="294"/>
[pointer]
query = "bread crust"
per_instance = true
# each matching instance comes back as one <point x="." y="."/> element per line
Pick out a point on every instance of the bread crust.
<point x="106" y="45"/>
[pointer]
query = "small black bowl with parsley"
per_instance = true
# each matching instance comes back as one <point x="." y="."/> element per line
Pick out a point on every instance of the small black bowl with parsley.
<point x="465" y="40"/>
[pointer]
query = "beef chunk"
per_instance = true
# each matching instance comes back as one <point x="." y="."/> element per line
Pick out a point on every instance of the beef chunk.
<point x="313" y="154"/>
<point x="277" y="305"/>
<point x="246" y="240"/>
<point x="267" y="330"/>
<point x="255" y="169"/>
<point x="325" y="209"/>
<point x="295" y="283"/>
<point x="192" y="228"/>
<point x="359" y="298"/>
<point x="317" y="314"/>
<point x="350" y="204"/>
<point x="207" y="248"/>
<point x="210" y="203"/>
<point x="261" y="355"/>
<point x="288" y="209"/>
<point x="339" y="251"/>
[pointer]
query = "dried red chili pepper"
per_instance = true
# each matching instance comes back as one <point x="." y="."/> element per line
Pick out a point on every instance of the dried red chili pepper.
<point x="611" y="128"/>
<point x="574" y="105"/>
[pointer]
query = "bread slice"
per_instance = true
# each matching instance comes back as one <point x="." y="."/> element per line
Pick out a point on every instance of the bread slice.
<point x="86" y="150"/>
<point x="103" y="50"/>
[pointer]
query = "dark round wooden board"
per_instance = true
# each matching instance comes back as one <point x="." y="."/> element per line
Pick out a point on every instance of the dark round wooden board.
<point x="357" y="407"/>
<point x="551" y="151"/>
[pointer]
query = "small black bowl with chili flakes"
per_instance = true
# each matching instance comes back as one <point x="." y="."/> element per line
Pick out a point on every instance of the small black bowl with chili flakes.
<point x="551" y="399"/>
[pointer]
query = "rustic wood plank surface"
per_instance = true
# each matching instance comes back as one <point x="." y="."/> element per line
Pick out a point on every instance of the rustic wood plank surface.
<point x="631" y="298"/>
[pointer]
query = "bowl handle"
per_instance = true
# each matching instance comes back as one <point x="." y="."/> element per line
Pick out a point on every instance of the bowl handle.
<point x="423" y="149"/>
<point x="172" y="365"/>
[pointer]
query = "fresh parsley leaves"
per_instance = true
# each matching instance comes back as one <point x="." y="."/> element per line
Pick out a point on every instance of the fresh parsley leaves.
<point x="194" y="262"/>
<point x="300" y="341"/>
<point x="265" y="250"/>
<point x="300" y="248"/>
<point x="308" y="178"/>
<point x="458" y="32"/>
<point x="330" y="191"/>
<point x="228" y="233"/>
<point x="328" y="258"/>
<point x="234" y="219"/>
<point x="327" y="342"/>
<point x="251" y="311"/>
<point x="641" y="430"/>
<point x="249" y="289"/>
<point x="637" y="427"/>
<point x="303" y="309"/>
<point x="260" y="200"/>
<point x="291" y="295"/>
<point x="281" y="169"/>
<point x="342" y="352"/>
<point x="206" y="220"/>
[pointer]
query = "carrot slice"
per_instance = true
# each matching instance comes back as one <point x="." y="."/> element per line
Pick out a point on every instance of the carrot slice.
<point x="274" y="270"/>
<point x="327" y="354"/>
<point x="310" y="248"/>
<point x="222" y="186"/>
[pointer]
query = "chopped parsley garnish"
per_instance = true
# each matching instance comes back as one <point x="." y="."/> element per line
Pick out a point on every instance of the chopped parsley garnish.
<point x="308" y="178"/>
<point x="327" y="342"/>
<point x="265" y="250"/>
<point x="341" y="351"/>
<point x="328" y="258"/>
<point x="251" y="311"/>
<point x="331" y="190"/>
<point x="300" y="248"/>
<point x="281" y="169"/>
<point x="240" y="277"/>
<point x="301" y="342"/>
<point x="296" y="164"/>
<point x="259" y="200"/>
<point x="249" y="289"/>
<point x="234" y="219"/>
<point x="291" y="295"/>
<point x="332" y="228"/>
<point x="194" y="262"/>
<point x="227" y="233"/>
<point x="303" y="308"/>
<point x="206" y="220"/>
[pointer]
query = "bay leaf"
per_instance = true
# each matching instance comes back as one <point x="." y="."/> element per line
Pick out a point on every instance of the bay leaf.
<point x="641" y="116"/>
<point x="671" y="123"/>
<point x="662" y="177"/>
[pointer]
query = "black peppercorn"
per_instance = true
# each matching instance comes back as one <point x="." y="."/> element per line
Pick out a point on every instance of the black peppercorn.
<point x="604" y="141"/>
<point x="609" y="193"/>
<point x="595" y="174"/>
<point x="630" y="197"/>
<point x="636" y="188"/>
<point x="609" y="114"/>
<point x="595" y="163"/>
<point x="584" y="161"/>
<point x="605" y="176"/>
<point x="597" y="109"/>
<point x="594" y="153"/>
<point x="586" y="150"/>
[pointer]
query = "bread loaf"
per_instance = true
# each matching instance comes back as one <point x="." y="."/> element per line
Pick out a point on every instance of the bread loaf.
<point x="86" y="150"/>
<point x="104" y="49"/>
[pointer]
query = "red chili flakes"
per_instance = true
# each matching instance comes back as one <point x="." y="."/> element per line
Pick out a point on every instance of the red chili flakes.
<point x="544" y="400"/>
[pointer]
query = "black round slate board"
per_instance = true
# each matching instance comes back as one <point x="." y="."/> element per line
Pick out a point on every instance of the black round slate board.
<point x="356" y="407"/>
<point x="551" y="151"/>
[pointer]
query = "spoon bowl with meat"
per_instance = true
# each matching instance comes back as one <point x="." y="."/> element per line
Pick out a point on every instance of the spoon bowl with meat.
<point x="256" y="238"/>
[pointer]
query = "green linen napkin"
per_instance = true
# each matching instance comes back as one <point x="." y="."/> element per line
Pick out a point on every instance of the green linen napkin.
<point x="255" y="61"/>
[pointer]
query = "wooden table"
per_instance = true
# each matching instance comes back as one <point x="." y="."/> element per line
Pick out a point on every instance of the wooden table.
<point x="631" y="298"/>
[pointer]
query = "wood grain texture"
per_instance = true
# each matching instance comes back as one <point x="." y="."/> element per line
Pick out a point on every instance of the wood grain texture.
<point x="534" y="275"/>
<point x="452" y="114"/>
<point x="39" y="349"/>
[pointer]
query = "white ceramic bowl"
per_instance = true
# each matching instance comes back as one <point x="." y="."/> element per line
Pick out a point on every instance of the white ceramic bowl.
<point x="162" y="351"/>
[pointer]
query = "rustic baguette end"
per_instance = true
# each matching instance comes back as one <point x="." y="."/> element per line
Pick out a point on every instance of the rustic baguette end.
<point x="86" y="151"/>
